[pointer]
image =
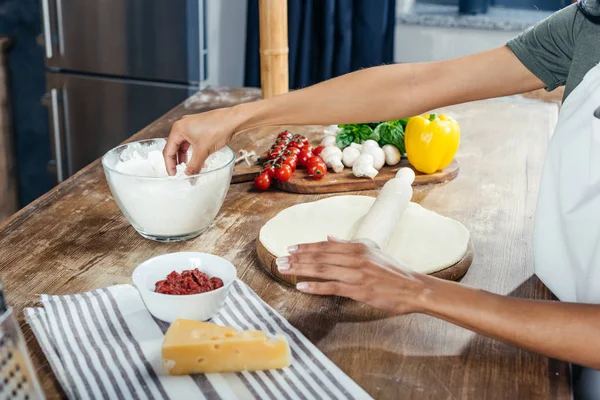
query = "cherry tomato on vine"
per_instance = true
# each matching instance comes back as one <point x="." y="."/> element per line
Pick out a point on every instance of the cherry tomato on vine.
<point x="273" y="154"/>
<point x="283" y="172"/>
<point x="291" y="160"/>
<point x="268" y="169"/>
<point x="285" y="135"/>
<point x="281" y="141"/>
<point x="262" y="182"/>
<point x="317" y="169"/>
<point x="299" y="141"/>
<point x="292" y="150"/>
<point x="317" y="151"/>
<point x="304" y="141"/>
<point x="314" y="160"/>
<point x="304" y="157"/>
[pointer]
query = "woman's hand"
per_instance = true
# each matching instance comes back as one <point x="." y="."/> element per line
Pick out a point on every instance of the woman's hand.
<point x="356" y="271"/>
<point x="206" y="133"/>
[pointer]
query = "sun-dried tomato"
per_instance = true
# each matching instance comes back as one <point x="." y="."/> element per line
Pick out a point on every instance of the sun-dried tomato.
<point x="187" y="282"/>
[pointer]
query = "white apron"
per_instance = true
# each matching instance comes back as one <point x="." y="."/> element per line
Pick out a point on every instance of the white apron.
<point x="566" y="242"/>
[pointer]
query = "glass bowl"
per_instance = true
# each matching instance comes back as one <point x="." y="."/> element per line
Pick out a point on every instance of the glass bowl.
<point x="166" y="209"/>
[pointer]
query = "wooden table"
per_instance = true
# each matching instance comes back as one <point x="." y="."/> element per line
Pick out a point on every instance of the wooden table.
<point x="75" y="239"/>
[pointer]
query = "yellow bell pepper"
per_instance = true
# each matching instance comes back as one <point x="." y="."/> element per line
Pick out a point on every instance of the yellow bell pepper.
<point x="431" y="142"/>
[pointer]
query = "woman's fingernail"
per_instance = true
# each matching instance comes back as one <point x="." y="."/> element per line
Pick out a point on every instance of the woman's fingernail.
<point x="292" y="249"/>
<point x="334" y="238"/>
<point x="283" y="267"/>
<point x="302" y="286"/>
<point x="282" y="260"/>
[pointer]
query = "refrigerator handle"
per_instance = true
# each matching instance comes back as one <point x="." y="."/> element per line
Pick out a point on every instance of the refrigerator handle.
<point x="57" y="135"/>
<point x="56" y="166"/>
<point x="59" y="23"/>
<point x="47" y="29"/>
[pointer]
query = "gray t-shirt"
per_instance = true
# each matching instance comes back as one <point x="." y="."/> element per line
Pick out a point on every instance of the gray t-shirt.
<point x="561" y="49"/>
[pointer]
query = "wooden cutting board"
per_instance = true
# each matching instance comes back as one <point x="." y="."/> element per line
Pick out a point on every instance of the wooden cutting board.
<point x="261" y="139"/>
<point x="345" y="181"/>
<point x="267" y="261"/>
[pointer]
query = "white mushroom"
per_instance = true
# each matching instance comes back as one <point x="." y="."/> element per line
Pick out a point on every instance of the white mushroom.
<point x="332" y="156"/>
<point x="392" y="154"/>
<point x="377" y="153"/>
<point x="349" y="156"/>
<point x="356" y="146"/>
<point x="328" y="141"/>
<point x="369" y="143"/>
<point x="331" y="130"/>
<point x="363" y="167"/>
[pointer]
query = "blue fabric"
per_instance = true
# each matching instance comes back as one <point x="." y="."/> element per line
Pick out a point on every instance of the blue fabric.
<point x="327" y="38"/>
<point x="20" y="19"/>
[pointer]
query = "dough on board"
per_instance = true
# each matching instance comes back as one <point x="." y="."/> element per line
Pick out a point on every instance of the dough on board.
<point x="423" y="241"/>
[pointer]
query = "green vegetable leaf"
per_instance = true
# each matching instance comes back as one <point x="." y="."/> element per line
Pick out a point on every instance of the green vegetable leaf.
<point x="403" y="122"/>
<point x="356" y="133"/>
<point x="374" y="136"/>
<point x="343" y="139"/>
<point x="345" y="136"/>
<point x="391" y="133"/>
<point x="363" y="132"/>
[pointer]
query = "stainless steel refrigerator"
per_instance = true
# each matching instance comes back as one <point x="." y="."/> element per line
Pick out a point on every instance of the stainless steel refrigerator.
<point x="114" y="66"/>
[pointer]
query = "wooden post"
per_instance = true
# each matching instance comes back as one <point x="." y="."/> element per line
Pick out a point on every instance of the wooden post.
<point x="274" y="74"/>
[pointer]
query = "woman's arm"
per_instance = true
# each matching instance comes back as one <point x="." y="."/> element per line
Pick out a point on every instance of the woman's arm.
<point x="395" y="91"/>
<point x="565" y="331"/>
<point x="374" y="94"/>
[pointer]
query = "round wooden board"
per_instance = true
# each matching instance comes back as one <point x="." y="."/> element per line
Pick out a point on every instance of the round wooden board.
<point x="452" y="273"/>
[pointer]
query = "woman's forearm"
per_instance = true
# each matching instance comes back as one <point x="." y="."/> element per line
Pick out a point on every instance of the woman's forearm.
<point x="375" y="94"/>
<point x="565" y="331"/>
<point x="394" y="91"/>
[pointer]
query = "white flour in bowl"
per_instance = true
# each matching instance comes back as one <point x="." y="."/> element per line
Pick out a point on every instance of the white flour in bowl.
<point x="165" y="206"/>
<point x="146" y="161"/>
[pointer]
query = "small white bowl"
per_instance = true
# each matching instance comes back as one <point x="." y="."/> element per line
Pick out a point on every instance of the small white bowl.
<point x="199" y="307"/>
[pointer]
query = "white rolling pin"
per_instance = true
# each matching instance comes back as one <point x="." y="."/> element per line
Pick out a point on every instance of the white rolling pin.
<point x="378" y="225"/>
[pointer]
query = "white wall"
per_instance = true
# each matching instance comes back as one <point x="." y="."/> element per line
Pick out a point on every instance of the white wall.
<point x="416" y="43"/>
<point x="226" y="42"/>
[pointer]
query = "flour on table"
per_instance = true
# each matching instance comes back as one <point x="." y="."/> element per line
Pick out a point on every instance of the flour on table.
<point x="423" y="241"/>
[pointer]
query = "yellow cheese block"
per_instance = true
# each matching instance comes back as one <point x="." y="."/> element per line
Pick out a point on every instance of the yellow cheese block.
<point x="192" y="347"/>
<point x="194" y="331"/>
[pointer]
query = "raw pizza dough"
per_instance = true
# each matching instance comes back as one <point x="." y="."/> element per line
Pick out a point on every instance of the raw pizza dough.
<point x="423" y="241"/>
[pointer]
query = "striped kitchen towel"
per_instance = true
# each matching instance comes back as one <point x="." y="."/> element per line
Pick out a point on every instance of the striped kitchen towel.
<point x="105" y="345"/>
